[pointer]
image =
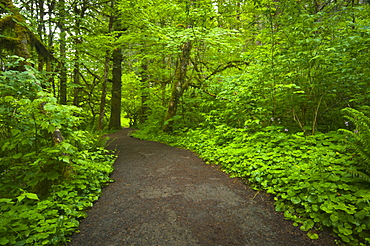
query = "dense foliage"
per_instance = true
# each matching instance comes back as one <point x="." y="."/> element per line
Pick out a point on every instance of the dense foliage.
<point x="270" y="113"/>
<point x="275" y="91"/>
<point x="45" y="184"/>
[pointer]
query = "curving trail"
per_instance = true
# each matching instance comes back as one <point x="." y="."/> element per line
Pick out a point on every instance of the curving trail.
<point x="168" y="196"/>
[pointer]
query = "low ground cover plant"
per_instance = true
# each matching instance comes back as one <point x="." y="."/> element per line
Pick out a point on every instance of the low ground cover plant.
<point x="29" y="219"/>
<point x="44" y="193"/>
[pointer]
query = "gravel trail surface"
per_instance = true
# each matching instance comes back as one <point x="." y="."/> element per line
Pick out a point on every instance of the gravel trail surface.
<point x="168" y="196"/>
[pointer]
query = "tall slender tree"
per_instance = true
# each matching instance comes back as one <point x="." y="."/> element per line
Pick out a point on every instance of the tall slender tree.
<point x="63" y="53"/>
<point x="117" y="58"/>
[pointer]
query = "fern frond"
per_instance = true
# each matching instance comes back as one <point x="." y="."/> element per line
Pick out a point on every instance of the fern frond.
<point x="358" y="174"/>
<point x="361" y="137"/>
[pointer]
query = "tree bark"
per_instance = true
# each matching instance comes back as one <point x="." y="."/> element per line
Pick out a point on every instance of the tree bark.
<point x="178" y="87"/>
<point x="63" y="58"/>
<point x="76" y="76"/>
<point x="115" y="113"/>
<point x="63" y="69"/>
<point x="115" y="110"/>
<point x="18" y="42"/>
<point x="103" y="98"/>
<point x="103" y="93"/>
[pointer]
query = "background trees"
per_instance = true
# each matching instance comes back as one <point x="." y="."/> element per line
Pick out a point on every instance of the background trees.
<point x="299" y="62"/>
<point x="248" y="62"/>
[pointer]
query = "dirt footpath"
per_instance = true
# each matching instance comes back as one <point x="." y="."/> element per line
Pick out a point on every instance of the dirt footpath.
<point x="168" y="196"/>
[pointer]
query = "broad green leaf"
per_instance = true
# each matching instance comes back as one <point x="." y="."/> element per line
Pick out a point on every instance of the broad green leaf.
<point x="313" y="235"/>
<point x="31" y="196"/>
<point x="296" y="200"/>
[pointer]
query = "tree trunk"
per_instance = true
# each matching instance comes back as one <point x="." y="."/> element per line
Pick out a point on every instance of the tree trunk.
<point x="178" y="87"/>
<point x="103" y="93"/>
<point x="103" y="98"/>
<point x="115" y="113"/>
<point x="76" y="76"/>
<point x="63" y="58"/>
<point x="63" y="69"/>
<point x="19" y="41"/>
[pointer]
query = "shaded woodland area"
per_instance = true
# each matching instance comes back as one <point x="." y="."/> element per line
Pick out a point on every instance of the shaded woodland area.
<point x="277" y="92"/>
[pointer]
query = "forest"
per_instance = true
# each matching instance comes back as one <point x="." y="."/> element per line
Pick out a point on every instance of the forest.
<point x="276" y="92"/>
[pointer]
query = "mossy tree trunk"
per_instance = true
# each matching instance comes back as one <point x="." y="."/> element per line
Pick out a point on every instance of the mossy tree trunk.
<point x="178" y="87"/>
<point x="16" y="38"/>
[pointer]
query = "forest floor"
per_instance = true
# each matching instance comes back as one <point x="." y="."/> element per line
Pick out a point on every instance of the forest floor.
<point x="168" y="196"/>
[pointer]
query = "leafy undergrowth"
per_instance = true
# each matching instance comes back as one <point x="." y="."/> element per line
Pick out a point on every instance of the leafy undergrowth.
<point x="51" y="217"/>
<point x="50" y="170"/>
<point x="311" y="177"/>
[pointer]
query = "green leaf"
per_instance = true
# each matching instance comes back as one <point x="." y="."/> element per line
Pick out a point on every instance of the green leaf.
<point x="295" y="200"/>
<point x="327" y="207"/>
<point x="291" y="192"/>
<point x="334" y="217"/>
<point x="307" y="225"/>
<point x="312" y="199"/>
<point x="313" y="235"/>
<point x="6" y="200"/>
<point x="28" y="195"/>
<point x="345" y="231"/>
<point x="31" y="196"/>
<point x="21" y="197"/>
<point x="4" y="241"/>
<point x="53" y="176"/>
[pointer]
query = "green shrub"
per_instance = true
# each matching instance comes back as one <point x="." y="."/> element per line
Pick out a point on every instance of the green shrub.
<point x="28" y="220"/>
<point x="44" y="186"/>
<point x="359" y="140"/>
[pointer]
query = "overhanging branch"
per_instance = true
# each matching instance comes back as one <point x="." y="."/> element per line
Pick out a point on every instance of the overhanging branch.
<point x="220" y="68"/>
<point x="223" y="67"/>
<point x="207" y="92"/>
